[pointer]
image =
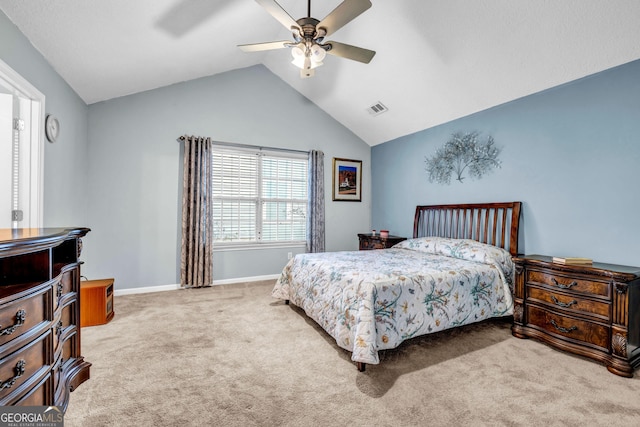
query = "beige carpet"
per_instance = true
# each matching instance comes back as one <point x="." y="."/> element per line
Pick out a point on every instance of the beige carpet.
<point x="233" y="356"/>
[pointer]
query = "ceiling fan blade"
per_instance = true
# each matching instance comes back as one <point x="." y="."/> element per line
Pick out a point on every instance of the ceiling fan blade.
<point x="346" y="11"/>
<point x="257" y="47"/>
<point x="279" y="13"/>
<point x="351" y="52"/>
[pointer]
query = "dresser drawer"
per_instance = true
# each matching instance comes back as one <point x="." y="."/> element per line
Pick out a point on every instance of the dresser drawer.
<point x="64" y="286"/>
<point x="64" y="323"/>
<point x="372" y="244"/>
<point x="40" y="395"/>
<point x="570" y="302"/>
<point x="20" y="366"/>
<point x="569" y="284"/>
<point x="368" y="241"/>
<point x="70" y="346"/>
<point x="65" y="360"/>
<point x="581" y="331"/>
<point x="24" y="315"/>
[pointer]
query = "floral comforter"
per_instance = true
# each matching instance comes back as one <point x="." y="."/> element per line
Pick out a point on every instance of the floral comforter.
<point x="374" y="300"/>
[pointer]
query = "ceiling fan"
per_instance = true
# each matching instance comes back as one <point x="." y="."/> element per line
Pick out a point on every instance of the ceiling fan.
<point x="309" y="48"/>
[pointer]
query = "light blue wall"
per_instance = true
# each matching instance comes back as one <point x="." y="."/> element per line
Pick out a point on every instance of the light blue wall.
<point x="571" y="154"/>
<point x="65" y="162"/>
<point x="135" y="176"/>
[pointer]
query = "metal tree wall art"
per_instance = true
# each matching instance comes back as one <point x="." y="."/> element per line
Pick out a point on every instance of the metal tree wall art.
<point x="464" y="151"/>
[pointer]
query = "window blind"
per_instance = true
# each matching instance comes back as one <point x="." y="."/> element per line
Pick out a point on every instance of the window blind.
<point x="259" y="196"/>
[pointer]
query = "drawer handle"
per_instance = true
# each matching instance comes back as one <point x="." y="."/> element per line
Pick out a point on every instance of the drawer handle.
<point x="18" y="371"/>
<point x="21" y="316"/>
<point x="561" y="286"/>
<point x="59" y="289"/>
<point x="561" y="329"/>
<point x="563" y="304"/>
<point x="59" y="328"/>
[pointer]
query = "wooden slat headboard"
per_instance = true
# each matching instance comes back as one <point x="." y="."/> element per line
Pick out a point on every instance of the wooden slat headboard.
<point x="492" y="223"/>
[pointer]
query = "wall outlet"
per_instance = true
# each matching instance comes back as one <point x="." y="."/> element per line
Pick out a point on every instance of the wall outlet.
<point x="289" y="255"/>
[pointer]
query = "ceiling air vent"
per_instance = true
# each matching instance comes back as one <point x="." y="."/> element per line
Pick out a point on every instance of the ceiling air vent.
<point x="377" y="108"/>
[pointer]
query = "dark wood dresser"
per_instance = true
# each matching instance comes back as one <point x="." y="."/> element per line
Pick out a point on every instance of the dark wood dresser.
<point x="368" y="241"/>
<point x="591" y="310"/>
<point x="40" y="359"/>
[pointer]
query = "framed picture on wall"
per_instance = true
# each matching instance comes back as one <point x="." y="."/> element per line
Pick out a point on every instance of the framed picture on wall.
<point x="347" y="180"/>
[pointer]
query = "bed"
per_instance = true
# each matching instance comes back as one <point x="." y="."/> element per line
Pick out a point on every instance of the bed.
<point x="456" y="270"/>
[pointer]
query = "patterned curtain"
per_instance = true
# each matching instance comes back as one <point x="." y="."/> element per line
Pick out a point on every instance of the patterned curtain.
<point x="196" y="261"/>
<point x="315" y="217"/>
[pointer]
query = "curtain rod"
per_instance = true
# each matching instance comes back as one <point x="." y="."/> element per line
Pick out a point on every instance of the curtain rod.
<point x="236" y="144"/>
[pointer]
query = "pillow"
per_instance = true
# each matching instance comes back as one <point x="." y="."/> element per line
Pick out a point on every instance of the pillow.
<point x="466" y="249"/>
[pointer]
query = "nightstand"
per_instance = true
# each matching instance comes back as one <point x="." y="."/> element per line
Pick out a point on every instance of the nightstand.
<point x="591" y="310"/>
<point x="368" y="241"/>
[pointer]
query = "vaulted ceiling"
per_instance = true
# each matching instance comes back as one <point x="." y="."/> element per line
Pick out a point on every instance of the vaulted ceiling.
<point x="436" y="60"/>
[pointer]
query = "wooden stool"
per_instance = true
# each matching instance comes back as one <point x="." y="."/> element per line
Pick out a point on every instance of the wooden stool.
<point x="96" y="302"/>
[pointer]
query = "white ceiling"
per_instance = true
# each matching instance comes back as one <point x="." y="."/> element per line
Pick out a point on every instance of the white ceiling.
<point x="437" y="60"/>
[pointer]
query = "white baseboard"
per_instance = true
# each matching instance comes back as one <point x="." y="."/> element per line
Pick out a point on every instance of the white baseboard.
<point x="145" y="289"/>
<point x="148" y="289"/>
<point x="245" y="279"/>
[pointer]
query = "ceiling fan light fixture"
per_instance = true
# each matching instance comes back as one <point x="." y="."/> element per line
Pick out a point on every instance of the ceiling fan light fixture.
<point x="307" y="58"/>
<point x="318" y="53"/>
<point x="309" y="64"/>
<point x="305" y="63"/>
<point x="297" y="52"/>
<point x="298" y="62"/>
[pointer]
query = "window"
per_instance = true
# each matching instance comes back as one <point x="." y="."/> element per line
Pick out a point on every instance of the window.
<point x="259" y="196"/>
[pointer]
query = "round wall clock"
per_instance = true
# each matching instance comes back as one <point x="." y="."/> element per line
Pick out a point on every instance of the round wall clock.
<point x="52" y="128"/>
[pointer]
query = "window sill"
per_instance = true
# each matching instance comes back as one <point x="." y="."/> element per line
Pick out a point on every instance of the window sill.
<point x="256" y="246"/>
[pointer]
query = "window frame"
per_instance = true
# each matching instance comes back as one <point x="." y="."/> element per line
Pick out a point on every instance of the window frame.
<point x="260" y="200"/>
